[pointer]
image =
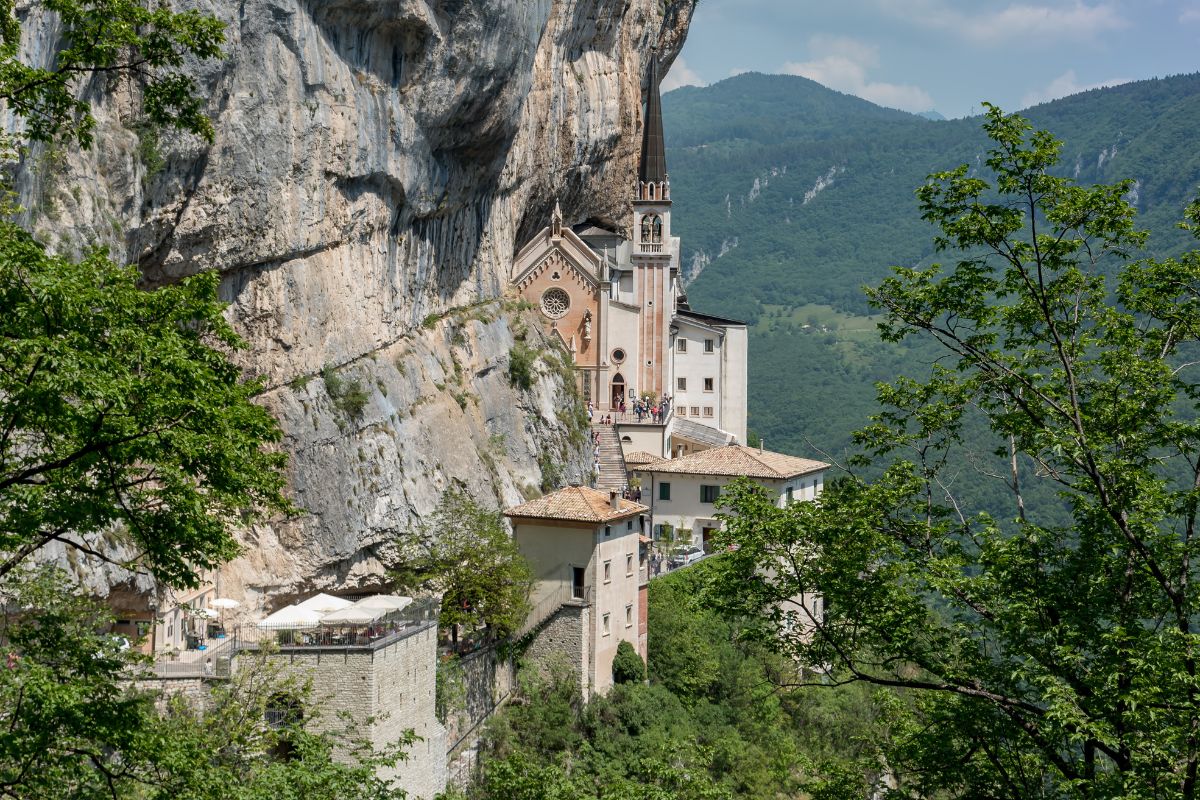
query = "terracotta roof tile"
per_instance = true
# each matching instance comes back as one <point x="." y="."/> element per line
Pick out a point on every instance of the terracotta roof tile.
<point x="640" y="457"/>
<point x="577" y="504"/>
<point x="736" y="459"/>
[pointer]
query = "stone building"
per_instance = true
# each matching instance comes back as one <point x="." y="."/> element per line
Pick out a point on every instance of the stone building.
<point x="393" y="683"/>
<point x="614" y="299"/>
<point x="585" y="550"/>
<point x="683" y="491"/>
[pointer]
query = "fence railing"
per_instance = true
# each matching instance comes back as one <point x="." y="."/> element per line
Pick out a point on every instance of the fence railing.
<point x="217" y="661"/>
<point x="631" y="418"/>
<point x="545" y="608"/>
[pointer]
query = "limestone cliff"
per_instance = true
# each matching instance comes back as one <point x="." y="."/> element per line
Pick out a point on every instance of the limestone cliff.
<point x="375" y="167"/>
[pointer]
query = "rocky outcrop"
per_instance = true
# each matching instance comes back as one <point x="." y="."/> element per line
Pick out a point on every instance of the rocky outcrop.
<point x="376" y="164"/>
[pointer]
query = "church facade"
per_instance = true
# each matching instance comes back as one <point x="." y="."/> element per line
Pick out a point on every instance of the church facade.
<point x="615" y="301"/>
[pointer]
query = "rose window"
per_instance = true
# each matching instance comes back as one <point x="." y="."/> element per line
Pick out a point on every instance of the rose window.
<point x="555" y="303"/>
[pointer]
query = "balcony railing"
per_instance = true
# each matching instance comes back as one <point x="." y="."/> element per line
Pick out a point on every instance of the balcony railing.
<point x="651" y="249"/>
<point x="548" y="606"/>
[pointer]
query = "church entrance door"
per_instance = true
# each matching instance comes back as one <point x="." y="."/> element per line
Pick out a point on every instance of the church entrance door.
<point x="618" y="391"/>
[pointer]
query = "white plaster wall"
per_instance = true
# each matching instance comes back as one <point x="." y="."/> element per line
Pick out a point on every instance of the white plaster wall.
<point x="694" y="365"/>
<point x="735" y="358"/>
<point x="646" y="438"/>
<point x="612" y="597"/>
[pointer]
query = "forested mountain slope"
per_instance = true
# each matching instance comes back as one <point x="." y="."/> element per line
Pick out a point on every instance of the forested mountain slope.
<point x="790" y="197"/>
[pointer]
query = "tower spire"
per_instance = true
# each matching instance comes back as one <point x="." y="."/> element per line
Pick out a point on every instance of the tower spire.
<point x="653" y="166"/>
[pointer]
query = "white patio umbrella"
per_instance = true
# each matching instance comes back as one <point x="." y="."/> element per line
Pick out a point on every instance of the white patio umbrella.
<point x="223" y="603"/>
<point x="324" y="603"/>
<point x="292" y="617"/>
<point x="391" y="602"/>
<point x="354" y="616"/>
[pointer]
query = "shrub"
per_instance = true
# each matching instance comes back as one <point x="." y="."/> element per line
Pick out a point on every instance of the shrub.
<point x="348" y="395"/>
<point x="628" y="666"/>
<point x="520" y="365"/>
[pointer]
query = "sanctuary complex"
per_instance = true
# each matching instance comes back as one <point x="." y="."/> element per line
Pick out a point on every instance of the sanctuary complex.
<point x="614" y="299"/>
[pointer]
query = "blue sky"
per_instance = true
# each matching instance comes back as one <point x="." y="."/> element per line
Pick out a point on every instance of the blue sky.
<point x="946" y="55"/>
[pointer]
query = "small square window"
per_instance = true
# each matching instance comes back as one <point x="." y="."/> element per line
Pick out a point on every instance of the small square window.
<point x="681" y="384"/>
<point x="607" y="571"/>
<point x="708" y="384"/>
<point x="605" y="623"/>
<point x="664" y="491"/>
<point x="709" y="494"/>
<point x="708" y="411"/>
<point x="683" y="411"/>
<point x="681" y="345"/>
<point x="629" y="616"/>
<point x="708" y="345"/>
<point x="695" y="411"/>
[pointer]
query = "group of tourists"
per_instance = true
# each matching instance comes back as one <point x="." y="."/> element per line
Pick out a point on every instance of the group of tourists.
<point x="648" y="408"/>
<point x="655" y="410"/>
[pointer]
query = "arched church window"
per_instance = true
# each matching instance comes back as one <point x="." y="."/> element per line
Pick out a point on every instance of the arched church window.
<point x="555" y="303"/>
<point x="652" y="229"/>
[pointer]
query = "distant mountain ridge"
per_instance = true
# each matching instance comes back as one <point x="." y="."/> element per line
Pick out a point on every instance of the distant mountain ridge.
<point x="789" y="197"/>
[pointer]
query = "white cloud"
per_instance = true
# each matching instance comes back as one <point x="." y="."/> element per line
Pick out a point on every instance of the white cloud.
<point x="1073" y="19"/>
<point x="844" y="64"/>
<point x="680" y="75"/>
<point x="1063" y="85"/>
<point x="1190" y="15"/>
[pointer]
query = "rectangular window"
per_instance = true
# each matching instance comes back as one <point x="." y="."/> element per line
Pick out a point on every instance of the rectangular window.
<point x="681" y="345"/>
<point x="695" y="411"/>
<point x="683" y="411"/>
<point x="629" y="563"/>
<point x="681" y="384"/>
<point x="629" y="616"/>
<point x="629" y="525"/>
<point x="577" y="580"/>
<point x="607" y="571"/>
<point x="709" y="494"/>
<point x="664" y="491"/>
<point x="708" y="384"/>
<point x="708" y="345"/>
<point x="708" y="411"/>
<point x="790" y="493"/>
<point x="606" y="631"/>
<point x="608" y="530"/>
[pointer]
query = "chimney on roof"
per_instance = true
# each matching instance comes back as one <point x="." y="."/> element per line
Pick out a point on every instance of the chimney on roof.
<point x="760" y="445"/>
<point x="614" y="498"/>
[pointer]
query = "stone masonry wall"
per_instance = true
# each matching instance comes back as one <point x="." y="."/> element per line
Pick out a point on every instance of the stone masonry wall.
<point x="393" y="685"/>
<point x="564" y="640"/>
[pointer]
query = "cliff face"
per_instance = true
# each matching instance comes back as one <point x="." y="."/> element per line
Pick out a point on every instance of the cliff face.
<point x="376" y="165"/>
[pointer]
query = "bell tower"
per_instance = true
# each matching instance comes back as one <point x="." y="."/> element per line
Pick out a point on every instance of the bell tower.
<point x="655" y="253"/>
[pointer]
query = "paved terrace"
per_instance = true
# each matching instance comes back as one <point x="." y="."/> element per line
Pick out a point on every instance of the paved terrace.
<point x="215" y="661"/>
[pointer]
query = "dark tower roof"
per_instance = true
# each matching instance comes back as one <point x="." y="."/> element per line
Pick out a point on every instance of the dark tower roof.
<point x="653" y="167"/>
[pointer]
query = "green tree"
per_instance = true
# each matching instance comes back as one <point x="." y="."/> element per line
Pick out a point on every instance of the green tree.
<point x="122" y="419"/>
<point x="73" y="726"/>
<point x="465" y="553"/>
<point x="628" y="666"/>
<point x="146" y="44"/>
<point x="1033" y="658"/>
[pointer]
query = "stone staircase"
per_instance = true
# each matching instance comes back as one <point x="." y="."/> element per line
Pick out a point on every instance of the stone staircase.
<point x="612" y="461"/>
